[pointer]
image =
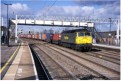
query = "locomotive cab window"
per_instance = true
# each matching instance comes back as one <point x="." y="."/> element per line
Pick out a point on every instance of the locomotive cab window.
<point x="84" y="34"/>
<point x="80" y="33"/>
<point x="87" y="34"/>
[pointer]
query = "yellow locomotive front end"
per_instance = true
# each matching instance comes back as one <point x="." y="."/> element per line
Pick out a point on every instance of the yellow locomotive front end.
<point x="84" y="40"/>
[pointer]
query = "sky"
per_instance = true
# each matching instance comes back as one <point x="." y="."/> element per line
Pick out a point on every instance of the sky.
<point x="82" y="8"/>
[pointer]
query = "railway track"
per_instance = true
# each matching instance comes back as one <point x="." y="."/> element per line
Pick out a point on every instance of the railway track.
<point x="88" y="56"/>
<point x="71" y="65"/>
<point x="103" y="50"/>
<point x="87" y="63"/>
<point x="64" y="74"/>
<point x="110" y="56"/>
<point x="91" y="63"/>
<point x="110" y="52"/>
<point x="102" y="55"/>
<point x="41" y="70"/>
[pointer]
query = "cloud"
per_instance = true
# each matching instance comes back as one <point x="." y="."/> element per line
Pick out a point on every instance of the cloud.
<point x="112" y="10"/>
<point x="86" y="8"/>
<point x="68" y="11"/>
<point x="95" y="2"/>
<point x="17" y="8"/>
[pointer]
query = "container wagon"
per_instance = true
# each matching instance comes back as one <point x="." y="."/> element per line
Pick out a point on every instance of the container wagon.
<point x="56" y="38"/>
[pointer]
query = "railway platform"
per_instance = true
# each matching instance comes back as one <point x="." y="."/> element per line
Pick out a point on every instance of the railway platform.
<point x="6" y="52"/>
<point x="108" y="47"/>
<point x="7" y="56"/>
<point x="22" y="67"/>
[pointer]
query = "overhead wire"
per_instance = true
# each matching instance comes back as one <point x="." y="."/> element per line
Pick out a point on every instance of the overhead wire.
<point x="49" y="8"/>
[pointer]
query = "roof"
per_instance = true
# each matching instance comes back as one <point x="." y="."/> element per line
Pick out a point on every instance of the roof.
<point x="3" y="28"/>
<point x="75" y="30"/>
<point x="106" y="34"/>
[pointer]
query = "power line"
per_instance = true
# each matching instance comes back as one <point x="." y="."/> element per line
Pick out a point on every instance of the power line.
<point x="50" y="7"/>
<point x="45" y="6"/>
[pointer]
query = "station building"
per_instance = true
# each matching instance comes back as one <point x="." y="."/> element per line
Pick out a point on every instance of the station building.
<point x="108" y="38"/>
<point x="3" y="32"/>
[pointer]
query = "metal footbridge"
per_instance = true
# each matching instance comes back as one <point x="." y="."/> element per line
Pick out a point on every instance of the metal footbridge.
<point x="60" y="21"/>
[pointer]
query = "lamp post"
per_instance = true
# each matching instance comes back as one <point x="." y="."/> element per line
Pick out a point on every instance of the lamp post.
<point x="110" y="24"/>
<point x="7" y="24"/>
<point x="110" y="31"/>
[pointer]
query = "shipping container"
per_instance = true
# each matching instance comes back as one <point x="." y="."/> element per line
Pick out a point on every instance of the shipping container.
<point x="43" y="36"/>
<point x="40" y="36"/>
<point x="48" y="37"/>
<point x="56" y="38"/>
<point x="29" y="36"/>
<point x="36" y="36"/>
<point x="24" y="35"/>
<point x="21" y="35"/>
<point x="33" y="36"/>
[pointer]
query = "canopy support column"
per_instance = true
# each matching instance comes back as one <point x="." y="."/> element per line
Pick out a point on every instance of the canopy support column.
<point x="16" y="37"/>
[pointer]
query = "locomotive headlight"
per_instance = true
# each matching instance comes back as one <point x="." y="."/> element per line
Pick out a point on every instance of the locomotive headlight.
<point x="66" y="37"/>
<point x="59" y="35"/>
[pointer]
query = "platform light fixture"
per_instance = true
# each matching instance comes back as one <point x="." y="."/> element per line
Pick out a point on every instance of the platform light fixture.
<point x="110" y="27"/>
<point x="8" y="24"/>
<point x="110" y="30"/>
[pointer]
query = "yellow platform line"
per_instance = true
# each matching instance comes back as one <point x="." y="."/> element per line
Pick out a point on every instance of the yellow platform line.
<point x="1" y="70"/>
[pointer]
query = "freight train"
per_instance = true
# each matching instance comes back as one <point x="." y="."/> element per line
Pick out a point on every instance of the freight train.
<point x="79" y="39"/>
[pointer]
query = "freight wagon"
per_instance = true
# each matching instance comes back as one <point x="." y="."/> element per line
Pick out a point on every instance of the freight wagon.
<point x="56" y="38"/>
